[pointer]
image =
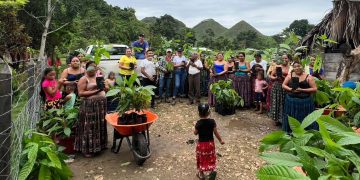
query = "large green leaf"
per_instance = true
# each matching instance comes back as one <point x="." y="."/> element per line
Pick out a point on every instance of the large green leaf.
<point x="52" y="156"/>
<point x="303" y="140"/>
<point x="314" y="150"/>
<point x="295" y="127"/>
<point x="279" y="158"/>
<point x="349" y="138"/>
<point x="334" y="124"/>
<point x="308" y="163"/>
<point x="112" y="92"/>
<point x="44" y="173"/>
<point x="277" y="172"/>
<point x="309" y="119"/>
<point x="26" y="170"/>
<point x="274" y="137"/>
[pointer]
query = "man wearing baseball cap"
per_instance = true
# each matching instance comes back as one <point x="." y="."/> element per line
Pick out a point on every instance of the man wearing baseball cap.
<point x="165" y="76"/>
<point x="140" y="47"/>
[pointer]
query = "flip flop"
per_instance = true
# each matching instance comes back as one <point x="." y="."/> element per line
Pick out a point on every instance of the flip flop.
<point x="212" y="175"/>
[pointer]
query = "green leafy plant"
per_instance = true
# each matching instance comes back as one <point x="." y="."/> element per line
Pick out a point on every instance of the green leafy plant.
<point x="41" y="159"/>
<point x="100" y="51"/>
<point x="131" y="94"/>
<point x="350" y="100"/>
<point x="330" y="153"/>
<point x="58" y="122"/>
<point x="325" y="95"/>
<point x="225" y="94"/>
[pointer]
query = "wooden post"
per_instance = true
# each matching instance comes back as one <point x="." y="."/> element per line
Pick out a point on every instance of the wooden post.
<point x="5" y="120"/>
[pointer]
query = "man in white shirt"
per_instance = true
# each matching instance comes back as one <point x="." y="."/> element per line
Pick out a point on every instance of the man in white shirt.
<point x="195" y="65"/>
<point x="180" y="74"/>
<point x="258" y="60"/>
<point x="148" y="72"/>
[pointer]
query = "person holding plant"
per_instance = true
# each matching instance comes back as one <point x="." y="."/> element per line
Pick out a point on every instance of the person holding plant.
<point x="165" y="68"/>
<point x="140" y="48"/>
<point x="319" y="73"/>
<point x="217" y="73"/>
<point x="50" y="90"/>
<point x="180" y="74"/>
<point x="277" y="96"/>
<point x="194" y="66"/>
<point x="231" y="68"/>
<point x="72" y="74"/>
<point x="127" y="64"/>
<point x="242" y="83"/>
<point x="298" y="102"/>
<point x="205" y="128"/>
<point x="260" y="87"/>
<point x="91" y="132"/>
<point x="70" y="98"/>
<point x="148" y="72"/>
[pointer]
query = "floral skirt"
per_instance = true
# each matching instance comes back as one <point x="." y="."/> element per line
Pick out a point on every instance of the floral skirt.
<point x="91" y="132"/>
<point x="277" y="102"/>
<point x="298" y="108"/>
<point x="54" y="104"/>
<point x="205" y="156"/>
<point x="211" y="99"/>
<point x="268" y="95"/>
<point x="242" y="85"/>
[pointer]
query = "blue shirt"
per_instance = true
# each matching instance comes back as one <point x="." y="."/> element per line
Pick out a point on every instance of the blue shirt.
<point x="143" y="46"/>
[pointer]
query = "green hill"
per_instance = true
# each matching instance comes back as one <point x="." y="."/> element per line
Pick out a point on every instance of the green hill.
<point x="149" y="20"/>
<point x="201" y="28"/>
<point x="241" y="26"/>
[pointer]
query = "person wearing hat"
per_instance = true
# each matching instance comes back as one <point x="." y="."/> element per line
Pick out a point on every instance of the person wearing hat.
<point x="165" y="75"/>
<point x="140" y="47"/>
<point x="180" y="74"/>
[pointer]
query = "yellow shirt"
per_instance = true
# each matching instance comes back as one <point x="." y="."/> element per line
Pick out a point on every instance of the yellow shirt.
<point x="126" y="62"/>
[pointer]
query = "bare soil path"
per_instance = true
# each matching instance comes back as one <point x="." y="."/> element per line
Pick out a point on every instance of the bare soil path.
<point x="173" y="157"/>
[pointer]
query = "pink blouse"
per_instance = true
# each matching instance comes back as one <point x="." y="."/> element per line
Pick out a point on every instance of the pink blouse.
<point x="51" y="83"/>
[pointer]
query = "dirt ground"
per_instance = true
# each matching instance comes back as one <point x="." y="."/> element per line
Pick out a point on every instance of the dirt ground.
<point x="173" y="157"/>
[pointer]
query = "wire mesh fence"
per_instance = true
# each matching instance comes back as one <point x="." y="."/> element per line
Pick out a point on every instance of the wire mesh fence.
<point x="20" y="104"/>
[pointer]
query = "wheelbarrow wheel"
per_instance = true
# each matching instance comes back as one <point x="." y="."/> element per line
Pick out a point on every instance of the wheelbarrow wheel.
<point x="140" y="147"/>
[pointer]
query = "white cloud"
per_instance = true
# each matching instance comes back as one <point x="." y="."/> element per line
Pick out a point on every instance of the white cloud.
<point x="268" y="16"/>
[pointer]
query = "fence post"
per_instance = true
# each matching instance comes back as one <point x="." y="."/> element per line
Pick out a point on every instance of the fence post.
<point x="5" y="120"/>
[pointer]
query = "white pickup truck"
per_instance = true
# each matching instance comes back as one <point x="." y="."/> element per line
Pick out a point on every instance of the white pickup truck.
<point x="109" y="64"/>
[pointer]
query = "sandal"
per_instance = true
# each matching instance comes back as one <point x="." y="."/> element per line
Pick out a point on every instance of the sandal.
<point x="212" y="175"/>
<point x="199" y="176"/>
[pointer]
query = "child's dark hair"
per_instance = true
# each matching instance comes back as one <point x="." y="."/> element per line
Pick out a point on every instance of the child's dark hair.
<point x="88" y="64"/>
<point x="46" y="72"/>
<point x="111" y="73"/>
<point x="71" y="87"/>
<point x="204" y="109"/>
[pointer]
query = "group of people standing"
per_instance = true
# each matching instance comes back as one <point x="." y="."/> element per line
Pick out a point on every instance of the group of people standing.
<point x="283" y="88"/>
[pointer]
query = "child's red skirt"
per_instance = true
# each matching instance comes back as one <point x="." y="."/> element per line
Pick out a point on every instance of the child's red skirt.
<point x="205" y="156"/>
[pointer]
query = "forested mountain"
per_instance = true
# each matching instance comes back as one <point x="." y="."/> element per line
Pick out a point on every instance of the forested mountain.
<point x="203" y="27"/>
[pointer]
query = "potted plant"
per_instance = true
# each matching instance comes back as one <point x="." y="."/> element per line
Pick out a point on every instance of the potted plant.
<point x="59" y="124"/>
<point x="42" y="159"/>
<point x="133" y="98"/>
<point x="226" y="97"/>
<point x="349" y="99"/>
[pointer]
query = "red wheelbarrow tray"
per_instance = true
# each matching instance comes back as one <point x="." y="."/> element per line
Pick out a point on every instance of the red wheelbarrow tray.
<point x="128" y="130"/>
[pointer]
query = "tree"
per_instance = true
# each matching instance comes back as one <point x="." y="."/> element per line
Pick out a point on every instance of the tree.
<point x="13" y="40"/>
<point x="300" y="27"/>
<point x="246" y="39"/>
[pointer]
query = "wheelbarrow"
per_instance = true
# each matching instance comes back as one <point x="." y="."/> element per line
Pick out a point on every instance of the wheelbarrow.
<point x="140" y="139"/>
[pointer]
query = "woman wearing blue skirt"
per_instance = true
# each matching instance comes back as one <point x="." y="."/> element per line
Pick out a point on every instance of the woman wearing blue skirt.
<point x="298" y="101"/>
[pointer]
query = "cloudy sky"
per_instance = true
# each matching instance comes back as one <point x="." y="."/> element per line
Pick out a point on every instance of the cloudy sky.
<point x="268" y="16"/>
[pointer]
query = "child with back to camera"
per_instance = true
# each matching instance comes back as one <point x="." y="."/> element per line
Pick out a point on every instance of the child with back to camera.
<point x="205" y="148"/>
<point x="260" y="86"/>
